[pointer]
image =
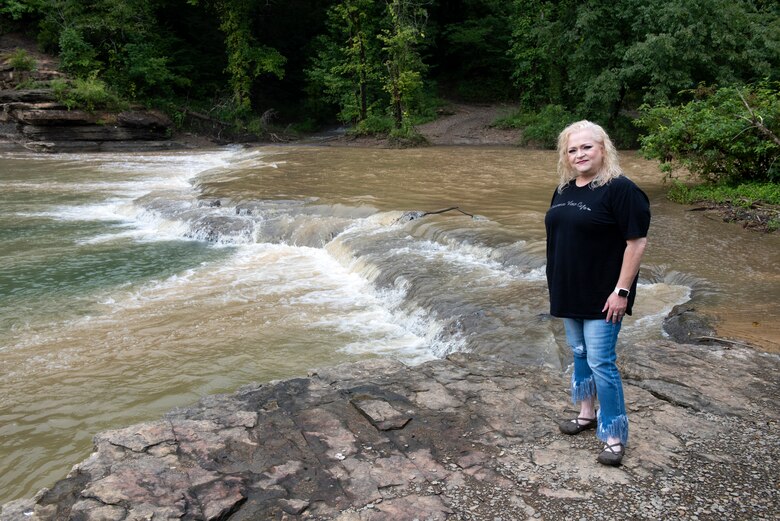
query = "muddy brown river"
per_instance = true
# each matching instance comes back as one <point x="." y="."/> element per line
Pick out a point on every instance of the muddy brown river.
<point x="132" y="284"/>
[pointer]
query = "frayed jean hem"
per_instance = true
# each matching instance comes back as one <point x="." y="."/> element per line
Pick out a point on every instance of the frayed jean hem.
<point x="617" y="428"/>
<point x="583" y="390"/>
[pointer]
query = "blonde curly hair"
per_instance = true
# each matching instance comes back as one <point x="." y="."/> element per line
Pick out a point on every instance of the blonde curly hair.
<point x="609" y="170"/>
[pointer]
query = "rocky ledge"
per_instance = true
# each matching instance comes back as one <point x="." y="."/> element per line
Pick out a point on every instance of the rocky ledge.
<point x="467" y="437"/>
<point x="34" y="120"/>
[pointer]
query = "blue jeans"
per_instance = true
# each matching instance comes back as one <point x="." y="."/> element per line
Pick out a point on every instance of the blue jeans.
<point x="596" y="375"/>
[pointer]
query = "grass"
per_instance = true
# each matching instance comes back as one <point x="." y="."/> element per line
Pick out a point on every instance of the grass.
<point x="21" y="60"/>
<point x="744" y="195"/>
<point x="749" y="203"/>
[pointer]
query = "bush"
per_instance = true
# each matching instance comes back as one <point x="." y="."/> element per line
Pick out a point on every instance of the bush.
<point x="21" y="60"/>
<point x="539" y="128"/>
<point x="76" y="54"/>
<point x="406" y="136"/>
<point x="141" y="72"/>
<point x="729" y="135"/>
<point x="89" y="94"/>
<point x="374" y="124"/>
<point x="753" y="204"/>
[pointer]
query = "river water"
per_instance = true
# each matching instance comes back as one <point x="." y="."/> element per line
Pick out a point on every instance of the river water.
<point x="132" y="284"/>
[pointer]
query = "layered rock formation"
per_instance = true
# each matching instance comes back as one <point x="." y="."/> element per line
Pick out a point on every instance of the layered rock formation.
<point x="31" y="116"/>
<point x="463" y="438"/>
<point x="34" y="119"/>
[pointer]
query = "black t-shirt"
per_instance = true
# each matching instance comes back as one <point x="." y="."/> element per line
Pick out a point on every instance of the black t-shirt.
<point x="587" y="229"/>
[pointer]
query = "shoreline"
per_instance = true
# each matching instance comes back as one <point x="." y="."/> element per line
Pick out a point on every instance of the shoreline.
<point x="466" y="437"/>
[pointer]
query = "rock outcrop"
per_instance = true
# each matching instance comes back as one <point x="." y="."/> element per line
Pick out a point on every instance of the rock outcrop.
<point x="467" y="437"/>
<point x="685" y="324"/>
<point x="34" y="119"/>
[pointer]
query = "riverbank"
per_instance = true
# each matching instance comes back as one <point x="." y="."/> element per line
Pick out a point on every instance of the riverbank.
<point x="458" y="124"/>
<point x="467" y="437"/>
<point x="41" y="123"/>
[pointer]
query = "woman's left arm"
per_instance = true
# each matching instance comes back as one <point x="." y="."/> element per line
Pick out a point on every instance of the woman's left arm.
<point x="632" y="258"/>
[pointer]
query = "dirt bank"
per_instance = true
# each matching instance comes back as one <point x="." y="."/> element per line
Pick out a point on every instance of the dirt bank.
<point x="462" y="124"/>
<point x="459" y="124"/>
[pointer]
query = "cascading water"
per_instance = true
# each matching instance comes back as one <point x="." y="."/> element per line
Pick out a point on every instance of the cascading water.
<point x="131" y="285"/>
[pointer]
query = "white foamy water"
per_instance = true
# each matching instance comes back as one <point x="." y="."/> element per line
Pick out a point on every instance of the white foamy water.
<point x="277" y="287"/>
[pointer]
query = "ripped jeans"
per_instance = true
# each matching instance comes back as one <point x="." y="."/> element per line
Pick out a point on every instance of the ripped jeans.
<point x="595" y="374"/>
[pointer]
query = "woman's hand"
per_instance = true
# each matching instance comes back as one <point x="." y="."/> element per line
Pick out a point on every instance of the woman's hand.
<point x="615" y="307"/>
<point x="632" y="257"/>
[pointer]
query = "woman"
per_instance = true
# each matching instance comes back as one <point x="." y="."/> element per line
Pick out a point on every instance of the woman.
<point x="596" y="234"/>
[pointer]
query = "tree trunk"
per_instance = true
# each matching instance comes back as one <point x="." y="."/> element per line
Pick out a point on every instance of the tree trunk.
<point x="398" y="113"/>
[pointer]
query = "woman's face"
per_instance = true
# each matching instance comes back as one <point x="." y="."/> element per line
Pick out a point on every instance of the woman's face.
<point x="586" y="155"/>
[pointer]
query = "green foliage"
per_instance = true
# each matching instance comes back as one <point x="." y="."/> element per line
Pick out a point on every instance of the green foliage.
<point x="405" y="68"/>
<point x="76" y="54"/>
<point x="759" y="201"/>
<point x="406" y="135"/>
<point x="681" y="44"/>
<point x="19" y="9"/>
<point x="538" y="48"/>
<point x="30" y="83"/>
<point x="471" y="48"/>
<point x="726" y="136"/>
<point x="119" y="41"/>
<point x="353" y="58"/>
<point x="744" y="195"/>
<point x="246" y="58"/>
<point x="60" y="89"/>
<point x="543" y="127"/>
<point x="86" y="93"/>
<point x="369" y="61"/>
<point x="21" y="60"/>
<point x="374" y="124"/>
<point x="424" y="107"/>
<point x="642" y="53"/>
<point x="539" y="128"/>
<point x="348" y="66"/>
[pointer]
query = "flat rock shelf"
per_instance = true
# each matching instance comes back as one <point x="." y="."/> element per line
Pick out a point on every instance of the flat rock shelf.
<point x="466" y="437"/>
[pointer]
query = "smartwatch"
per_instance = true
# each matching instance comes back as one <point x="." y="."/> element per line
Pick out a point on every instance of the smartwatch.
<point x="622" y="292"/>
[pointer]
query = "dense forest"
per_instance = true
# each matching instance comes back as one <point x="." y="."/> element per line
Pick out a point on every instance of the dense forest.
<point x="384" y="65"/>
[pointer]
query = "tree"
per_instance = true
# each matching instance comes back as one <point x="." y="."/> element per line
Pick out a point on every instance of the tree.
<point x="468" y="54"/>
<point x="370" y="59"/>
<point x="407" y="19"/>
<point x="678" y="45"/>
<point x="120" y="41"/>
<point x="538" y="50"/>
<point x="19" y="9"/>
<point x="348" y="60"/>
<point x="602" y="60"/>
<point x="247" y="59"/>
<point x="355" y="14"/>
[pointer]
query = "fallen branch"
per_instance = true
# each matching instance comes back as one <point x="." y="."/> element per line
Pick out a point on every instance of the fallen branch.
<point x="411" y="216"/>
<point x="447" y="210"/>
